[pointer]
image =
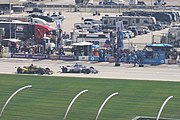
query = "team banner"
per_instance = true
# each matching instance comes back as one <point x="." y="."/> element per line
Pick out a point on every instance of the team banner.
<point x="119" y="39"/>
<point x="59" y="24"/>
<point x="59" y="28"/>
<point x="119" y="29"/>
<point x="68" y="57"/>
<point x="16" y="55"/>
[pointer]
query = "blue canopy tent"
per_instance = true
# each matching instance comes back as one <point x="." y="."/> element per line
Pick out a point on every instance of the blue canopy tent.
<point x="155" y="53"/>
<point x="159" y="45"/>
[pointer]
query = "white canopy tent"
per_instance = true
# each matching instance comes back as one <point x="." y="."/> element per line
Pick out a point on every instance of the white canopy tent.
<point x="82" y="43"/>
<point x="82" y="48"/>
<point x="12" y="40"/>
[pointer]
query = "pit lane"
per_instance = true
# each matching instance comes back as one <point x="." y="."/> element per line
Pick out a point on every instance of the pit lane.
<point x="106" y="70"/>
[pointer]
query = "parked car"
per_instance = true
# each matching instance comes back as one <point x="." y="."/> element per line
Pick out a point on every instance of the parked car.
<point x="86" y="25"/>
<point x="134" y="30"/>
<point x="90" y="20"/>
<point x="120" y="2"/>
<point x="109" y="3"/>
<point x="140" y="30"/>
<point x="145" y="29"/>
<point x="141" y="3"/>
<point x="56" y="17"/>
<point x="158" y="26"/>
<point x="35" y="10"/>
<point x="29" y="4"/>
<point x="96" y="13"/>
<point x="128" y="34"/>
<point x="151" y="27"/>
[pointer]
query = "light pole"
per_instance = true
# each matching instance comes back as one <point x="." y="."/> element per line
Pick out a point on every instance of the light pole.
<point x="10" y="19"/>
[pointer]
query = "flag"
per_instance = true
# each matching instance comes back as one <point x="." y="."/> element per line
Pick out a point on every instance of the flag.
<point x="119" y="26"/>
<point x="59" y="24"/>
<point x="119" y="29"/>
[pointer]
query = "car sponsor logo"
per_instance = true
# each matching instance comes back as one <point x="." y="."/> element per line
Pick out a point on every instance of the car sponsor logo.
<point x="18" y="55"/>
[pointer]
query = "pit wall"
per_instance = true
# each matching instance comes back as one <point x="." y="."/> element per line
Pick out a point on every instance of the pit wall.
<point x="72" y="58"/>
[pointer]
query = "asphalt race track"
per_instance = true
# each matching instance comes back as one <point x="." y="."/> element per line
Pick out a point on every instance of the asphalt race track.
<point x="106" y="70"/>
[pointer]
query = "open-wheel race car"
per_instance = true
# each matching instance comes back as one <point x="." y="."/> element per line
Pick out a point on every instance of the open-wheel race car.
<point x="34" y="70"/>
<point x="77" y="68"/>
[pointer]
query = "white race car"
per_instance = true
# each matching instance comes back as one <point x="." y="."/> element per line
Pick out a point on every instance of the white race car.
<point x="78" y="69"/>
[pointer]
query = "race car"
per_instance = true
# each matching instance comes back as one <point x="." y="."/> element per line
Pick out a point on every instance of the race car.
<point x="34" y="70"/>
<point x="77" y="68"/>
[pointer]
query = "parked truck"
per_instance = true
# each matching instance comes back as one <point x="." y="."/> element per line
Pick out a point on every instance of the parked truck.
<point x="25" y="30"/>
<point x="86" y="25"/>
<point x="174" y="36"/>
<point x="159" y="2"/>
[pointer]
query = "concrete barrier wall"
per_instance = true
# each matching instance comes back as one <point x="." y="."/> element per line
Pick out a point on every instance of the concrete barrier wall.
<point x="83" y="58"/>
<point x="93" y="58"/>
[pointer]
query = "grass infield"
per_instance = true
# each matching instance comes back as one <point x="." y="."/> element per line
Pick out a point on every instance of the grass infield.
<point x="50" y="96"/>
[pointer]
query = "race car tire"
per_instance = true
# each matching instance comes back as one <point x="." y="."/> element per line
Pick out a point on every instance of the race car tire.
<point x="87" y="71"/>
<point x="140" y="65"/>
<point x="40" y="71"/>
<point x="95" y="71"/>
<point x="47" y="69"/>
<point x="50" y="72"/>
<point x="19" y="70"/>
<point x="64" y="70"/>
<point x="92" y="67"/>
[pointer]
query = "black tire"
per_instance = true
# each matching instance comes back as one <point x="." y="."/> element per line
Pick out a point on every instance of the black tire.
<point x="78" y="27"/>
<point x="47" y="69"/>
<point x="117" y="64"/>
<point x="40" y="71"/>
<point x="92" y="67"/>
<point x="19" y="70"/>
<point x="87" y="71"/>
<point x="140" y="65"/>
<point x="64" y="70"/>
<point x="50" y="72"/>
<point x="95" y="71"/>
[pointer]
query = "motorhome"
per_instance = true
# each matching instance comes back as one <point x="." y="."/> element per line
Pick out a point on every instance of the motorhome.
<point x="173" y="37"/>
<point x="165" y="16"/>
<point x="109" y="22"/>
